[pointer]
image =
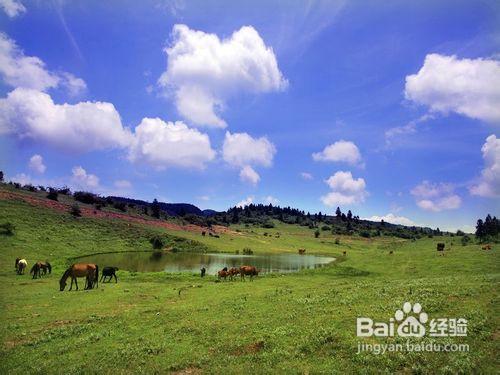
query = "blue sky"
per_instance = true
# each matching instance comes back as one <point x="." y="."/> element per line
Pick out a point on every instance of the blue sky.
<point x="218" y="103"/>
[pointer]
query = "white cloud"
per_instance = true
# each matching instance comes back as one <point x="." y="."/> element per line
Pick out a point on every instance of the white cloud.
<point x="393" y="219"/>
<point x="240" y="149"/>
<point x="436" y="197"/>
<point x="245" y="202"/>
<point x="22" y="179"/>
<point x="410" y="128"/>
<point x="203" y="71"/>
<point x="36" y="164"/>
<point x="248" y="174"/>
<point x="343" y="151"/>
<point x="12" y="7"/>
<point x="122" y="184"/>
<point x="271" y="200"/>
<point x="82" y="180"/>
<point x="18" y="70"/>
<point x="470" y="87"/>
<point x="170" y="144"/>
<point x="84" y="126"/>
<point x="306" y="176"/>
<point x="345" y="190"/>
<point x="489" y="183"/>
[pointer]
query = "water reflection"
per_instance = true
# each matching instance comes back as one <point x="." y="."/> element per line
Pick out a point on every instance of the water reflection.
<point x="192" y="262"/>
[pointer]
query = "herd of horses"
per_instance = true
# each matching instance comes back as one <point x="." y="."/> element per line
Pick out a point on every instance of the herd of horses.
<point x="233" y="271"/>
<point x="89" y="271"/>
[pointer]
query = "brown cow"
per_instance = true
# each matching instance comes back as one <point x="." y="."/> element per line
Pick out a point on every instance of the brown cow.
<point x="249" y="271"/>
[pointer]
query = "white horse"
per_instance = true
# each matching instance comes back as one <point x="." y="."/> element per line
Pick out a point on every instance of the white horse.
<point x="21" y="266"/>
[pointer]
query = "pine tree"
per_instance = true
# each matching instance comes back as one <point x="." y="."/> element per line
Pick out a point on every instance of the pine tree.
<point x="155" y="209"/>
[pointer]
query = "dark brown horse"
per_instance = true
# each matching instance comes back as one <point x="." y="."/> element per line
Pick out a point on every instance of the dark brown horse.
<point x="89" y="271"/>
<point x="233" y="271"/>
<point x="223" y="273"/>
<point x="39" y="268"/>
<point x="248" y="271"/>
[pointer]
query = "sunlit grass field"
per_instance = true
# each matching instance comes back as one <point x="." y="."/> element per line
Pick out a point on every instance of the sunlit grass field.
<point x="180" y="323"/>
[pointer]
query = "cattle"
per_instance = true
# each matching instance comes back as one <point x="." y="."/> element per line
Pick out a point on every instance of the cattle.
<point x="486" y="247"/>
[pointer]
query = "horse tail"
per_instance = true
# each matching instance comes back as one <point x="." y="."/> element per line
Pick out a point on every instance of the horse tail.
<point x="96" y="276"/>
<point x="49" y="267"/>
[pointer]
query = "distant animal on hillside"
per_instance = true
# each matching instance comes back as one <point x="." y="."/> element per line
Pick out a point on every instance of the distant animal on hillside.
<point x="391" y="252"/>
<point x="344" y="253"/>
<point x="21" y="265"/>
<point x="109" y="272"/>
<point x="203" y="233"/>
<point x="302" y="251"/>
<point x="40" y="268"/>
<point x="202" y="272"/>
<point x="486" y="247"/>
<point x="440" y="247"/>
<point x="233" y="271"/>
<point x="248" y="271"/>
<point x="89" y="271"/>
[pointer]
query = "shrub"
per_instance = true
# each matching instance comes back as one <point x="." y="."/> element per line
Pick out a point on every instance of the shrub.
<point x="316" y="234"/>
<point x="120" y="206"/>
<point x="365" y="234"/>
<point x="247" y="251"/>
<point x="29" y="187"/>
<point x="86" y="197"/>
<point x="64" y="190"/>
<point x="157" y="242"/>
<point x="268" y="224"/>
<point x="337" y="241"/>
<point x="75" y="210"/>
<point x="7" y="228"/>
<point x="52" y="194"/>
<point x="325" y="228"/>
<point x="465" y="240"/>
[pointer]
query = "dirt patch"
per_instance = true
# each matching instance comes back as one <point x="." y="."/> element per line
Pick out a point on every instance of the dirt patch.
<point x="252" y="348"/>
<point x="90" y="212"/>
<point x="188" y="371"/>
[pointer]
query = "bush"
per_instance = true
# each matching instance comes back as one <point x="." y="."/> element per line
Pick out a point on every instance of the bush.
<point x="7" y="228"/>
<point x="29" y="187"/>
<point x="465" y="240"/>
<point x="365" y="234"/>
<point x="268" y="224"/>
<point x="52" y="194"/>
<point x="120" y="206"/>
<point x="337" y="241"/>
<point x="157" y="242"/>
<point x="247" y="251"/>
<point x="316" y="234"/>
<point x="75" y="210"/>
<point x="86" y="197"/>
<point x="325" y="228"/>
<point x="64" y="190"/>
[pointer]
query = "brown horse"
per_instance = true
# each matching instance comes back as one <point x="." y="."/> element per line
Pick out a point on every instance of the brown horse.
<point x="233" y="271"/>
<point x="223" y="273"/>
<point x="249" y="271"/>
<point x="89" y="271"/>
<point x="40" y="267"/>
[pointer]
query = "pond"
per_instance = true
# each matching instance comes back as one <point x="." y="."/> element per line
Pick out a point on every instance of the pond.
<point x="192" y="262"/>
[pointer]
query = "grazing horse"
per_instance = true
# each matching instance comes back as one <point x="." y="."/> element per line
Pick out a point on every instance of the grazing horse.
<point x="222" y="274"/>
<point x="249" y="271"/>
<point x="21" y="265"/>
<point x="40" y="267"/>
<point x="302" y="251"/>
<point x="233" y="271"/>
<point x="89" y="271"/>
<point x="109" y="272"/>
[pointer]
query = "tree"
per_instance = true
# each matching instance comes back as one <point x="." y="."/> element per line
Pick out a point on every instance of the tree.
<point x="75" y="210"/>
<point x="236" y="217"/>
<point x="316" y="233"/>
<point x="1" y="176"/>
<point x="52" y="195"/>
<point x="155" y="209"/>
<point x="157" y="242"/>
<point x="480" y="233"/>
<point x="338" y="213"/>
<point x="349" y="215"/>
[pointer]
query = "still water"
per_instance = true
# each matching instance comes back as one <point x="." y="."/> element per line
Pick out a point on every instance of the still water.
<point x="192" y="262"/>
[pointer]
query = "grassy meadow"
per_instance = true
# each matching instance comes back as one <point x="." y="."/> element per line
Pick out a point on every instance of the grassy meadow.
<point x="296" y="323"/>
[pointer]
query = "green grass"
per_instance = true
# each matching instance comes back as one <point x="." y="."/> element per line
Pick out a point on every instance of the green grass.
<point x="298" y="323"/>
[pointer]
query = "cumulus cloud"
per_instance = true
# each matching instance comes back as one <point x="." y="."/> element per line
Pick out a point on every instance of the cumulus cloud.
<point x="84" y="126"/>
<point x="470" y="87"/>
<point x="243" y="151"/>
<point x="22" y="179"/>
<point x="82" y="180"/>
<point x="345" y="190"/>
<point x="248" y="174"/>
<point x="12" y="8"/>
<point x="18" y="70"/>
<point x="489" y="182"/>
<point x="306" y="176"/>
<point x="36" y="164"/>
<point x="393" y="219"/>
<point x="436" y="197"/>
<point x="204" y="71"/>
<point x="240" y="149"/>
<point x="245" y="202"/>
<point x="169" y="144"/>
<point x="343" y="151"/>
